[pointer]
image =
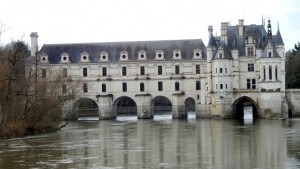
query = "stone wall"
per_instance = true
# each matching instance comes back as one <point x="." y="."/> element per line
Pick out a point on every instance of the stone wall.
<point x="293" y="96"/>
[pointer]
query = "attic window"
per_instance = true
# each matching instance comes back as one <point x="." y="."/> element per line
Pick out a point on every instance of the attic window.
<point x="124" y="55"/>
<point x="159" y="55"/>
<point x="197" y="54"/>
<point x="142" y="55"/>
<point x="103" y="56"/>
<point x="64" y="58"/>
<point x="176" y="54"/>
<point x="220" y="55"/>
<point x="44" y="58"/>
<point x="84" y="57"/>
<point x="270" y="54"/>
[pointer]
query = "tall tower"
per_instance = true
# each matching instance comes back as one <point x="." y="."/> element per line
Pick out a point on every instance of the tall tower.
<point x="34" y="43"/>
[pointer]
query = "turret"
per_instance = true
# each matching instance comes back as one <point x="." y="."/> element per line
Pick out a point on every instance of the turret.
<point x="34" y="43"/>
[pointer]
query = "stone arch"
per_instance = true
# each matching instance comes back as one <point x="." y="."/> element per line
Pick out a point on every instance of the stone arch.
<point x="190" y="104"/>
<point x="240" y="103"/>
<point x="124" y="105"/>
<point x="161" y="104"/>
<point x="85" y="107"/>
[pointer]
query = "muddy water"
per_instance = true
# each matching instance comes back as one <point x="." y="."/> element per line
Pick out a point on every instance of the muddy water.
<point x="159" y="143"/>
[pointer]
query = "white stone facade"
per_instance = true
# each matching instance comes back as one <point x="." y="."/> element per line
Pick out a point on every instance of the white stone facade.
<point x="246" y="64"/>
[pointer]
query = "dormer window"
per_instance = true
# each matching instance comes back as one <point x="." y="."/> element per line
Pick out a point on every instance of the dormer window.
<point x="103" y="56"/>
<point x="176" y="54"/>
<point x="142" y="55"/>
<point x="84" y="57"/>
<point x="123" y="55"/>
<point x="197" y="54"/>
<point x="44" y="58"/>
<point x="159" y="55"/>
<point x="221" y="56"/>
<point x="64" y="58"/>
<point x="250" y="51"/>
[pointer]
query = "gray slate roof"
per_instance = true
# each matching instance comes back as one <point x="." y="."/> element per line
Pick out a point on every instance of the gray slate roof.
<point x="113" y="49"/>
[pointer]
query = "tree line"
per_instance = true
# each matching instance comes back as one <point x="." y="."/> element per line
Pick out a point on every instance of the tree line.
<point x="28" y="103"/>
<point x="293" y="67"/>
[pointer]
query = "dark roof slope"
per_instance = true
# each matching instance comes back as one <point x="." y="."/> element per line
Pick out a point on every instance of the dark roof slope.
<point x="113" y="49"/>
<point x="278" y="39"/>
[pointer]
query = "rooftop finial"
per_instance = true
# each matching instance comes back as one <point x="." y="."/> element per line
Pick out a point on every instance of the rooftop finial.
<point x="278" y="25"/>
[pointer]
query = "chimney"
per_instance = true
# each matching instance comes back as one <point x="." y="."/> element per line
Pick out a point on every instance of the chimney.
<point x="224" y="27"/>
<point x="210" y="31"/>
<point x="241" y="27"/>
<point x="34" y="43"/>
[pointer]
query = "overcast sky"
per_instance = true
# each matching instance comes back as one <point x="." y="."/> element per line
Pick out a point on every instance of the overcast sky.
<point x="79" y="21"/>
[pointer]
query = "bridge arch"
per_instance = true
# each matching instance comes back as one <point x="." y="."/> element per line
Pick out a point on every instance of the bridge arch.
<point x="161" y="104"/>
<point x="242" y="102"/>
<point x="124" y="105"/>
<point x="190" y="104"/>
<point x="85" y="107"/>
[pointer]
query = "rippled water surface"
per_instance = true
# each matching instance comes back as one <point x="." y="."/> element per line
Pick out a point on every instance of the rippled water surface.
<point x="159" y="143"/>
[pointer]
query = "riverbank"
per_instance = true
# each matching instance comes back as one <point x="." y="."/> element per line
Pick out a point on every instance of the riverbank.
<point x="13" y="130"/>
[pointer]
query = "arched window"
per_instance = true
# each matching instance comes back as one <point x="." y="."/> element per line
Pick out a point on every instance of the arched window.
<point x="103" y="87"/>
<point x="177" y="88"/>
<point x="270" y="72"/>
<point x="142" y="87"/>
<point x="264" y="72"/>
<point x="276" y="71"/>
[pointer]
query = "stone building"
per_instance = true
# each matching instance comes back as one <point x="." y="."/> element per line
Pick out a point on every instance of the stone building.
<point x="244" y="67"/>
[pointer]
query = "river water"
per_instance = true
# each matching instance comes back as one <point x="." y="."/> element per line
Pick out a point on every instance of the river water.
<point x="159" y="143"/>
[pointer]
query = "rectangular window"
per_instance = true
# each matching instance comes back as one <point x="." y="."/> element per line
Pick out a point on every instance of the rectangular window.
<point x="44" y="73"/>
<point x="65" y="72"/>
<point x="226" y="86"/>
<point x="159" y="70"/>
<point x="220" y="56"/>
<point x="177" y="70"/>
<point x="216" y="70"/>
<point x="197" y="69"/>
<point x="124" y="87"/>
<point x="251" y="83"/>
<point x="221" y="86"/>
<point x="85" y="88"/>
<point x="216" y="86"/>
<point x="104" y="71"/>
<point x="124" y="71"/>
<point x="270" y="72"/>
<point x="142" y="70"/>
<point x="160" y="86"/>
<point x="270" y="54"/>
<point x="221" y="70"/>
<point x="198" y="97"/>
<point x="142" y="87"/>
<point x="198" y="85"/>
<point x="64" y="88"/>
<point x="84" y="72"/>
<point x="177" y="87"/>
<point x="250" y="51"/>
<point x="250" y="67"/>
<point x="225" y="70"/>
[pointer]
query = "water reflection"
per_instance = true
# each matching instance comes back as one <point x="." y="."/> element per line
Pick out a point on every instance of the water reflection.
<point x="159" y="143"/>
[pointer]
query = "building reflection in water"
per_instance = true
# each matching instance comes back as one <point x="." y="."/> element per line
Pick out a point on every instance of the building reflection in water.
<point x="199" y="143"/>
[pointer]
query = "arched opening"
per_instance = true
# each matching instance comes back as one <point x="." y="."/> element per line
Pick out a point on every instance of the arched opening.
<point x="245" y="107"/>
<point x="124" y="106"/>
<point x="86" y="109"/>
<point x="161" y="106"/>
<point x="190" y="106"/>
